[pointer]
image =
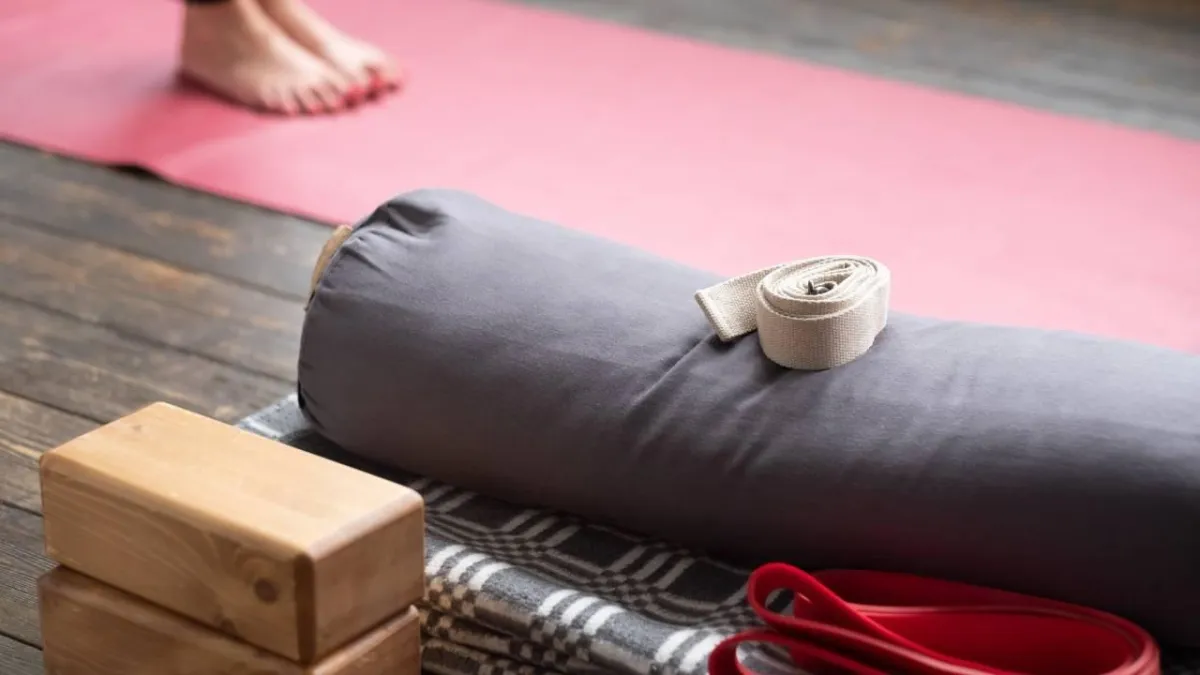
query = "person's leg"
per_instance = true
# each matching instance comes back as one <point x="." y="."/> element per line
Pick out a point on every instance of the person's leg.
<point x="235" y="49"/>
<point x="361" y="63"/>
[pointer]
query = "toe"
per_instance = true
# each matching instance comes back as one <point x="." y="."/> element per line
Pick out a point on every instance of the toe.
<point x="279" y="101"/>
<point x="392" y="72"/>
<point x="349" y="92"/>
<point x="288" y="102"/>
<point x="331" y="95"/>
<point x="353" y="85"/>
<point x="368" y="82"/>
<point x="358" y="86"/>
<point x="385" y="75"/>
<point x="308" y="100"/>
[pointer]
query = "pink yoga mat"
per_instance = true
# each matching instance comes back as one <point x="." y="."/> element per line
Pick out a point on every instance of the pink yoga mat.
<point x="724" y="159"/>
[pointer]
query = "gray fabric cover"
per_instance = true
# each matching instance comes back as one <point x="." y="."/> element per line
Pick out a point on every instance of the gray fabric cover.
<point x="476" y="346"/>
<point x="511" y="590"/>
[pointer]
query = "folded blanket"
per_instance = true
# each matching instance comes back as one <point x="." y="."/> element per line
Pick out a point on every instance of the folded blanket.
<point x="518" y="591"/>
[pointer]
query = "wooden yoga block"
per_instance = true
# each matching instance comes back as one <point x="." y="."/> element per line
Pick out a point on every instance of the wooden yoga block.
<point x="277" y="547"/>
<point x="92" y="629"/>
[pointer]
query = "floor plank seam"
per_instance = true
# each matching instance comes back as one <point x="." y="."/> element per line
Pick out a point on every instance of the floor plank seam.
<point x="21" y="640"/>
<point x="18" y="507"/>
<point x="140" y="340"/>
<point x="57" y="408"/>
<point x="37" y="228"/>
<point x="26" y="222"/>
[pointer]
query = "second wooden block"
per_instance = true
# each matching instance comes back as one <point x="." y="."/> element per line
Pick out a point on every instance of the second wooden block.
<point x="92" y="629"/>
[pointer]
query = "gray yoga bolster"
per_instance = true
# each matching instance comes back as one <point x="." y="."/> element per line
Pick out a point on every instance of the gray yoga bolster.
<point x="540" y="365"/>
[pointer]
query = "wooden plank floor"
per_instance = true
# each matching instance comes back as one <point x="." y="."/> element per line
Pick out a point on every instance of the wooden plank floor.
<point x="117" y="290"/>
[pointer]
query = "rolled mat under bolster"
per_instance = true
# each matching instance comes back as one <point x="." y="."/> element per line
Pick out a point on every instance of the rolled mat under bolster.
<point x="540" y="365"/>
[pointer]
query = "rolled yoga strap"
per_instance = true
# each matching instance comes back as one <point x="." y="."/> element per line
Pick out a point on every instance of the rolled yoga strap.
<point x="811" y="314"/>
<point x="876" y="623"/>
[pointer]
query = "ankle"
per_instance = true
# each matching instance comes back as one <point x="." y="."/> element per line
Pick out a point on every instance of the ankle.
<point x="277" y="7"/>
<point x="232" y="17"/>
<point x="223" y="32"/>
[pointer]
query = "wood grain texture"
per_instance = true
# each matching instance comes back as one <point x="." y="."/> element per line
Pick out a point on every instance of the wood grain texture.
<point x="93" y="629"/>
<point x="28" y="429"/>
<point x="101" y="374"/>
<point x="283" y="549"/>
<point x="141" y="215"/>
<point x="190" y="311"/>
<point x="18" y="658"/>
<point x="21" y="563"/>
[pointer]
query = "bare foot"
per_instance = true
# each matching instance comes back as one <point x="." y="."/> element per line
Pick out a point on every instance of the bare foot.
<point x="236" y="50"/>
<point x="362" y="63"/>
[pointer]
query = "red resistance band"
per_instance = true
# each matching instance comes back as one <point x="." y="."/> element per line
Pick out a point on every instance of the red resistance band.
<point x="877" y="623"/>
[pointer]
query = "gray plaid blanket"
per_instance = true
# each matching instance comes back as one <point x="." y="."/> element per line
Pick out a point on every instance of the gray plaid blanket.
<point x="519" y="591"/>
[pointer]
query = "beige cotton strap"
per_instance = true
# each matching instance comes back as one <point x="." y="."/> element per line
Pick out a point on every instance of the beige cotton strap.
<point x="811" y="314"/>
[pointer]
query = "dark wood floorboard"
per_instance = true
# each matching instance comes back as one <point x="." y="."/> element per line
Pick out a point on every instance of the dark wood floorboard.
<point x="22" y="561"/>
<point x="27" y="429"/>
<point x="188" y="230"/>
<point x="98" y="373"/>
<point x="151" y="300"/>
<point x="117" y="290"/>
<point x="18" y="658"/>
